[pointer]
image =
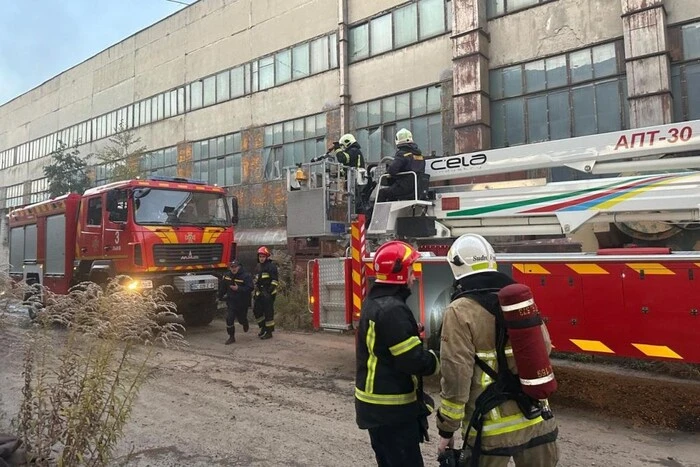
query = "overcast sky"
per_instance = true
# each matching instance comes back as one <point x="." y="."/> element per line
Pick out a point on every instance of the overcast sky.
<point x="41" y="38"/>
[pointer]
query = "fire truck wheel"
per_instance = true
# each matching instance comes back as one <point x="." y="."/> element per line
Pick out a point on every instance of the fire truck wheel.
<point x="198" y="313"/>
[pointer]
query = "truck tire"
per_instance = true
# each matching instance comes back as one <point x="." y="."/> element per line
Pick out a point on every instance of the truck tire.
<point x="198" y="312"/>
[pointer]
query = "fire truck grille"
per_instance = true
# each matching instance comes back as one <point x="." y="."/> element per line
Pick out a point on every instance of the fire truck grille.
<point x="187" y="254"/>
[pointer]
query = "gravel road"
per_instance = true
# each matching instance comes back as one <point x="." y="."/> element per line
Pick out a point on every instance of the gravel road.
<point x="288" y="402"/>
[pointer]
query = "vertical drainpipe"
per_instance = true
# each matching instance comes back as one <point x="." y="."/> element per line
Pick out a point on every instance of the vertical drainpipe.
<point x="343" y="66"/>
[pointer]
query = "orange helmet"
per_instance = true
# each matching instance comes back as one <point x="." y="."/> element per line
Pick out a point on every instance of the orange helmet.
<point x="263" y="251"/>
<point x="392" y="260"/>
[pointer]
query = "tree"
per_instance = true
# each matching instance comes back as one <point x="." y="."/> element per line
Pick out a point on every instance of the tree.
<point x="67" y="171"/>
<point x="123" y="155"/>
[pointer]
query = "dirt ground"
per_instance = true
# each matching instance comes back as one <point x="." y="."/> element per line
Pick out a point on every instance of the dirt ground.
<point x="288" y="402"/>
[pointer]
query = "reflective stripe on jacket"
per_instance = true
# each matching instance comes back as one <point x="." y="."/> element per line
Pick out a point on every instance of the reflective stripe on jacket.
<point x="468" y="330"/>
<point x="389" y="356"/>
<point x="240" y="297"/>
<point x="267" y="278"/>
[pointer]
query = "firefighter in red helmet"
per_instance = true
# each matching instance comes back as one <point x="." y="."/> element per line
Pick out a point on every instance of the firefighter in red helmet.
<point x="480" y="390"/>
<point x="391" y="361"/>
<point x="266" y="282"/>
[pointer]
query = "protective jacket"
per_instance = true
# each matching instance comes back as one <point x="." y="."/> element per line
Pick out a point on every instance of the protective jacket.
<point x="351" y="157"/>
<point x="267" y="279"/>
<point x="469" y="330"/>
<point x="408" y="158"/>
<point x="390" y="360"/>
<point x="240" y="297"/>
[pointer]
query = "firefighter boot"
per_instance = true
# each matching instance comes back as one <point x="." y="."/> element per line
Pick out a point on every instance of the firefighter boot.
<point x="266" y="335"/>
<point x="231" y="340"/>
<point x="262" y="332"/>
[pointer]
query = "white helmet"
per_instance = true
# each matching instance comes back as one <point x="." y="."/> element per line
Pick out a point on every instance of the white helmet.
<point x="471" y="254"/>
<point x="403" y="136"/>
<point x="346" y="140"/>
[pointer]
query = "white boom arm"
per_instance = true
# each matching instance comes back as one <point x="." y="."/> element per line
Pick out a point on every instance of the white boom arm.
<point x="562" y="207"/>
<point x="599" y="153"/>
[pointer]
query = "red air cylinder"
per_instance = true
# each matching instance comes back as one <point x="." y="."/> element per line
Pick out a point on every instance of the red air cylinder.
<point x="523" y="321"/>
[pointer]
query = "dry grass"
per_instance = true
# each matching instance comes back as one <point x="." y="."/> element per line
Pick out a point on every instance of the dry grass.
<point x="11" y="293"/>
<point x="291" y="305"/>
<point x="80" y="385"/>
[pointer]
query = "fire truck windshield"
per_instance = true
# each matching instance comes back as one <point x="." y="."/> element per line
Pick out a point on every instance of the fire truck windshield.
<point x="174" y="207"/>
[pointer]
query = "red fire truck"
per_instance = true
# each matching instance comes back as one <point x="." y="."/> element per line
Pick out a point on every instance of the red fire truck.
<point x="569" y="241"/>
<point x="159" y="231"/>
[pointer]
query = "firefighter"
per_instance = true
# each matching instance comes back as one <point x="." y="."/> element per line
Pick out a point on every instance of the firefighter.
<point x="408" y="158"/>
<point x="391" y="361"/>
<point x="236" y="286"/>
<point x="266" y="283"/>
<point x="349" y="152"/>
<point x="471" y="346"/>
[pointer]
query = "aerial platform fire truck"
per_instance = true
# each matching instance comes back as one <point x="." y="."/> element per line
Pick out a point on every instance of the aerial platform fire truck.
<point x="158" y="231"/>
<point x="611" y="261"/>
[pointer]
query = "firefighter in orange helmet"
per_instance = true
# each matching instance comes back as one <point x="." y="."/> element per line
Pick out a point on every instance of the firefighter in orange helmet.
<point x="266" y="282"/>
<point x="479" y="387"/>
<point x="391" y="361"/>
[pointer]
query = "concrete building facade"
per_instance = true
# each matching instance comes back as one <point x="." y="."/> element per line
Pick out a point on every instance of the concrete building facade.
<point x="232" y="91"/>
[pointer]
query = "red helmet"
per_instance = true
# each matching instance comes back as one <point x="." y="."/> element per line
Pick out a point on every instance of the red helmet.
<point x="263" y="251"/>
<point x="392" y="260"/>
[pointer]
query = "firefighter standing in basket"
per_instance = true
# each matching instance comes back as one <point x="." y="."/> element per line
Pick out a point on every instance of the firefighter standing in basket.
<point x="349" y="152"/>
<point x="266" y="282"/>
<point x="391" y="361"/>
<point x="513" y="425"/>
<point x="237" y="287"/>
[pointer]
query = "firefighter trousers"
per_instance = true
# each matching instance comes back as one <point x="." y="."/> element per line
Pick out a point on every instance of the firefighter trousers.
<point x="544" y="455"/>
<point x="264" y="311"/>
<point x="397" y="445"/>
<point x="236" y="312"/>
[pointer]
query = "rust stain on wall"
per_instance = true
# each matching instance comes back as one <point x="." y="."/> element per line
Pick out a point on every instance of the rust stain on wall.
<point x="261" y="204"/>
<point x="184" y="159"/>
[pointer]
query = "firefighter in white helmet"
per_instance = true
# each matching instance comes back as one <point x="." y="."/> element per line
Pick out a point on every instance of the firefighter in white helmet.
<point x="348" y="152"/>
<point x="408" y="158"/>
<point x="476" y="391"/>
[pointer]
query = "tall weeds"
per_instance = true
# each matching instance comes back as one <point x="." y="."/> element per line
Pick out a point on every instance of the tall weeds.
<point x="12" y="293"/>
<point x="291" y="305"/>
<point x="80" y="384"/>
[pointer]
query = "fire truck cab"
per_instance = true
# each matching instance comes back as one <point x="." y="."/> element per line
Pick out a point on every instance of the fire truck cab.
<point x="159" y="231"/>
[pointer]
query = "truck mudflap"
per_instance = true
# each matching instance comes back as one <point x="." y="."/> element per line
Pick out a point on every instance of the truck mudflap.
<point x="196" y="283"/>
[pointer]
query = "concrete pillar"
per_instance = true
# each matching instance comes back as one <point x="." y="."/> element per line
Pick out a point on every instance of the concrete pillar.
<point x="470" y="59"/>
<point x="647" y="62"/>
<point x="27" y="193"/>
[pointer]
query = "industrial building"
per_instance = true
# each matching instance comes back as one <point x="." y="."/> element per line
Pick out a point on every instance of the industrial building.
<point x="233" y="91"/>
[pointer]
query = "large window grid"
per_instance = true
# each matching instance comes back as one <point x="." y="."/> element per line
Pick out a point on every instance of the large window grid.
<point x="685" y="71"/>
<point x="218" y="160"/>
<point x="416" y="21"/>
<point x="14" y="195"/>
<point x="7" y="158"/>
<point x="297" y="62"/>
<point x="376" y="122"/>
<point x="159" y="162"/>
<point x="39" y="190"/>
<point x="293" y="142"/>
<point x="495" y="8"/>
<point x="575" y="94"/>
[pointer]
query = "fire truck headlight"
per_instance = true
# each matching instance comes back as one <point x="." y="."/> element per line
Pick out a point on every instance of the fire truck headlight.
<point x="140" y="285"/>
